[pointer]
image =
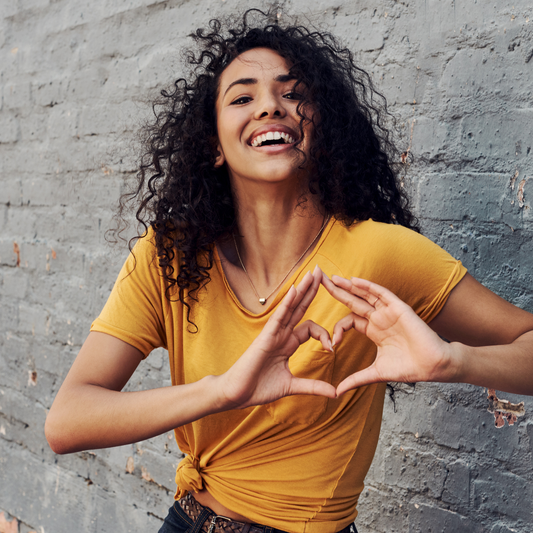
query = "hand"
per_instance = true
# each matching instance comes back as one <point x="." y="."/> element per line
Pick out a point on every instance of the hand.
<point x="262" y="375"/>
<point x="408" y="349"/>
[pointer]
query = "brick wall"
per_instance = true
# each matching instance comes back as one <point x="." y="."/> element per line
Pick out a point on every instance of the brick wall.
<point x="74" y="81"/>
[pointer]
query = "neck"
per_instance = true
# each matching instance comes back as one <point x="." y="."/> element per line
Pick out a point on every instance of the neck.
<point x="275" y="227"/>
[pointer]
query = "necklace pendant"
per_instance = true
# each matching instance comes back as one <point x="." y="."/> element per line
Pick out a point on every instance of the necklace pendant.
<point x="262" y="301"/>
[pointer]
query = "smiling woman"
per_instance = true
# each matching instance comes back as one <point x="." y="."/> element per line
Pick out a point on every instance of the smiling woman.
<point x="283" y="271"/>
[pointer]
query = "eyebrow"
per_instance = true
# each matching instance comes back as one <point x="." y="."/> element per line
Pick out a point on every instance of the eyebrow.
<point x="282" y="78"/>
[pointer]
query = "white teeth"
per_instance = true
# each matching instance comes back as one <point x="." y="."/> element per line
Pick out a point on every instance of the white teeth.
<point x="288" y="139"/>
<point x="272" y="136"/>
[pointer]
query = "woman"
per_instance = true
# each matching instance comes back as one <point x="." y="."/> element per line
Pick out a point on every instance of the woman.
<point x="267" y="187"/>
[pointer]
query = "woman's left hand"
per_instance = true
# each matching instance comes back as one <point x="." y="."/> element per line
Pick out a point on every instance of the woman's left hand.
<point x="408" y="350"/>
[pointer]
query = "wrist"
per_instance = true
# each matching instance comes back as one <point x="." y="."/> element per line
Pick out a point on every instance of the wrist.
<point x="215" y="390"/>
<point x="456" y="358"/>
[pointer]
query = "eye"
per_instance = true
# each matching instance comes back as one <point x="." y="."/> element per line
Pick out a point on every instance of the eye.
<point x="293" y="96"/>
<point x="241" y="100"/>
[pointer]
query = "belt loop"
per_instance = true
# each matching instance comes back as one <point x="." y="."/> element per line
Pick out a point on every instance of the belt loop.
<point x="204" y="515"/>
<point x="268" y="529"/>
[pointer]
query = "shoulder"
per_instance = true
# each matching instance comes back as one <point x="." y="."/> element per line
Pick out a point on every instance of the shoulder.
<point x="142" y="263"/>
<point x="376" y="239"/>
<point x="145" y="246"/>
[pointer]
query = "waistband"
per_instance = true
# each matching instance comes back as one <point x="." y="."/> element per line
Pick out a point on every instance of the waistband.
<point x="206" y="521"/>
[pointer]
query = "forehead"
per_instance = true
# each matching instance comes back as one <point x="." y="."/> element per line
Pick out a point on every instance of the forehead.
<point x="259" y="63"/>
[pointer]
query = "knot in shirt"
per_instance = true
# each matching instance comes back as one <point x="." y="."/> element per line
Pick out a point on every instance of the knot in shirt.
<point x="188" y="477"/>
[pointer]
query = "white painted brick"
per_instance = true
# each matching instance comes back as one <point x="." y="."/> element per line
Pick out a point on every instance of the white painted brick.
<point x="9" y="127"/>
<point x="17" y="95"/>
<point x="49" y="92"/>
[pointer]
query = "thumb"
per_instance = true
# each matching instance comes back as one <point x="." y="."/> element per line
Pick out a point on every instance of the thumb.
<point x="314" y="387"/>
<point x="359" y="379"/>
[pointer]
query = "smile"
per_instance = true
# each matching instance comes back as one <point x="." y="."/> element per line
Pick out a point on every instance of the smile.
<point x="272" y="137"/>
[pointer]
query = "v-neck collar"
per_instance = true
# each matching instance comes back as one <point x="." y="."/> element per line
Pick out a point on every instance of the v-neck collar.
<point x="284" y="288"/>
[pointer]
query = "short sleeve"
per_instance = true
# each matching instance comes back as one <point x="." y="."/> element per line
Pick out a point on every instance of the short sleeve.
<point x="416" y="269"/>
<point x="134" y="311"/>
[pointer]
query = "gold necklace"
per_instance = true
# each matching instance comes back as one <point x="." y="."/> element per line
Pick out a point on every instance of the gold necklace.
<point x="263" y="301"/>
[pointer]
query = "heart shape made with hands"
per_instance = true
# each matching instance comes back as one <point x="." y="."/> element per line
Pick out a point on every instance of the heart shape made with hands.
<point x="407" y="349"/>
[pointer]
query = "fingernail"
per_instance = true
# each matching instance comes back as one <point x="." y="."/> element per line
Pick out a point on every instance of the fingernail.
<point x="330" y="346"/>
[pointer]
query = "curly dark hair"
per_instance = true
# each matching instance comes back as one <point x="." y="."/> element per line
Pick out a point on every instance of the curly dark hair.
<point x="189" y="203"/>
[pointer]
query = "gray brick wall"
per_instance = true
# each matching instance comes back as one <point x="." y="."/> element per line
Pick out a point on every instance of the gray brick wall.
<point x="74" y="79"/>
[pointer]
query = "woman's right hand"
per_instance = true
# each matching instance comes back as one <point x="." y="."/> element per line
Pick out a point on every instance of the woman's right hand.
<point x="262" y="374"/>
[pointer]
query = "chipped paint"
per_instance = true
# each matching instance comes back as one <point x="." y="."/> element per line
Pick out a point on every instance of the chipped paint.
<point x="146" y="475"/>
<point x="32" y="378"/>
<point x="504" y="410"/>
<point x="405" y="155"/>
<point x="512" y="182"/>
<point x="130" y="465"/>
<point x="520" y="193"/>
<point x="16" y="251"/>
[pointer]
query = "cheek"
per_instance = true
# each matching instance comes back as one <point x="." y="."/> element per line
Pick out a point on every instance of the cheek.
<point x="226" y="129"/>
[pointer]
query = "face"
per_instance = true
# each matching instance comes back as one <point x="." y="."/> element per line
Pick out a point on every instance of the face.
<point x="257" y="122"/>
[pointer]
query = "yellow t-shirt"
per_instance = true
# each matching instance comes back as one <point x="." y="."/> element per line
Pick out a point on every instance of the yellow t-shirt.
<point x="297" y="464"/>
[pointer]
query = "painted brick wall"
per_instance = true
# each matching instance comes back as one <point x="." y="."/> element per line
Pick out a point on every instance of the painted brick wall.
<point x="74" y="81"/>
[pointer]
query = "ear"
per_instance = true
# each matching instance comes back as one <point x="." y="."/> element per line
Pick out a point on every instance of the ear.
<point x="221" y="158"/>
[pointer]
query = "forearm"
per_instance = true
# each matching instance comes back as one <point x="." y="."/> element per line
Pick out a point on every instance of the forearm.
<point x="90" y="416"/>
<point x="507" y="367"/>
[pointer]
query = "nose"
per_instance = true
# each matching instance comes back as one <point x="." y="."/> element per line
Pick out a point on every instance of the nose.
<point x="270" y="105"/>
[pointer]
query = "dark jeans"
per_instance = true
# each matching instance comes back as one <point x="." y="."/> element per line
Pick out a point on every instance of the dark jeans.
<point x="178" y="522"/>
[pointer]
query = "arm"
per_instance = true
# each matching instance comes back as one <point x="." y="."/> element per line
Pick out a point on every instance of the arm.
<point x="90" y="411"/>
<point x="492" y="340"/>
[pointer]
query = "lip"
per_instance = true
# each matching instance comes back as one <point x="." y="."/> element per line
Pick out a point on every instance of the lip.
<point x="281" y="128"/>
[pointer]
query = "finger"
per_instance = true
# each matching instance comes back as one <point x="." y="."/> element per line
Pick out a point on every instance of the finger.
<point x="312" y="386"/>
<point x="370" y="291"/>
<point x="348" y="322"/>
<point x="307" y="298"/>
<point x="343" y="294"/>
<point x="310" y="329"/>
<point x="283" y="313"/>
<point x="337" y="292"/>
<point x="309" y="292"/>
<point x="285" y="307"/>
<point x="366" y="294"/>
<point x="359" y="379"/>
<point x="339" y="281"/>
